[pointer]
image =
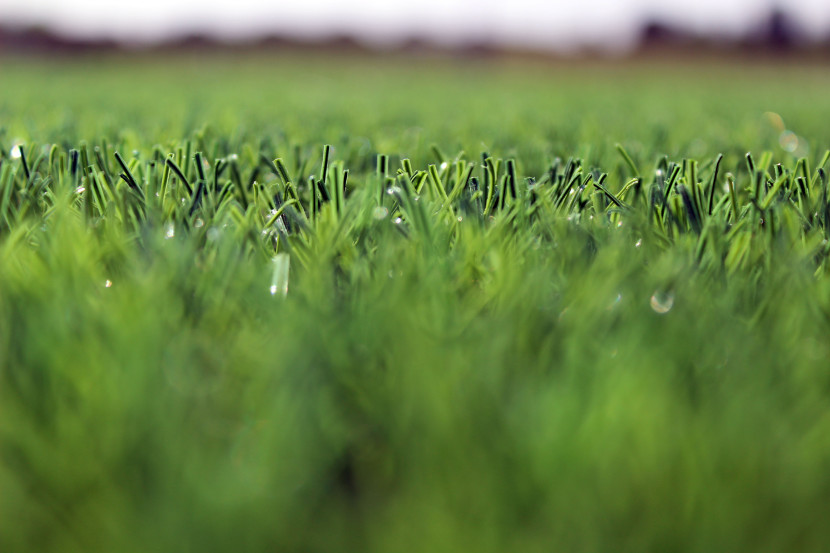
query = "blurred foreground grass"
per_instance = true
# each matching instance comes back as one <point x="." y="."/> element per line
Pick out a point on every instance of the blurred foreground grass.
<point x="521" y="339"/>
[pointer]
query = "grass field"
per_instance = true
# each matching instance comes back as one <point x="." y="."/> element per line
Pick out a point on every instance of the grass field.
<point x="413" y="305"/>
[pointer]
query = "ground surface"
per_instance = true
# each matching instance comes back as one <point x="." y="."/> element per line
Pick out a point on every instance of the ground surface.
<point x="520" y="339"/>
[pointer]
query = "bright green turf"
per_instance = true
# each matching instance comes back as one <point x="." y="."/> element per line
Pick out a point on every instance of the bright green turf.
<point x="620" y="368"/>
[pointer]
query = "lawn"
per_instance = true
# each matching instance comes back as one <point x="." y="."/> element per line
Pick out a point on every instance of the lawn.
<point x="408" y="304"/>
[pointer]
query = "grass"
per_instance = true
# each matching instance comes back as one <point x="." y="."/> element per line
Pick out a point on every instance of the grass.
<point x="264" y="304"/>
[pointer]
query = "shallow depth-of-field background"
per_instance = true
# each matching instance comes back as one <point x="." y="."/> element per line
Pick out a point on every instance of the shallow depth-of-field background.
<point x="623" y="355"/>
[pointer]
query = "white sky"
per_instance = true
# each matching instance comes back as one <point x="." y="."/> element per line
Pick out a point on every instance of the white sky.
<point x="556" y="23"/>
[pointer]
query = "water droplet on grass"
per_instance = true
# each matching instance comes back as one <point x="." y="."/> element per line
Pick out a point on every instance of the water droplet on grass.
<point x="638" y="243"/>
<point x="398" y="220"/>
<point x="170" y="231"/>
<point x="199" y="223"/>
<point x="15" y="151"/>
<point x="380" y="212"/>
<point x="279" y="280"/>
<point x="107" y="283"/>
<point x="662" y="302"/>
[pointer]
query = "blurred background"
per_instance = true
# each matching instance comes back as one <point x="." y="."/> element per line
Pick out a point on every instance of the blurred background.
<point x="482" y="27"/>
<point x="527" y="78"/>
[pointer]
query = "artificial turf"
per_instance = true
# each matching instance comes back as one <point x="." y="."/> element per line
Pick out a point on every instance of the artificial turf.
<point x="413" y="305"/>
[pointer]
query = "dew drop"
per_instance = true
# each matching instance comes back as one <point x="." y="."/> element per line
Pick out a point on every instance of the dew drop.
<point x="107" y="283"/>
<point x="15" y="151"/>
<point x="380" y="213"/>
<point x="398" y="220"/>
<point x="169" y="231"/>
<point x="199" y="223"/>
<point x="638" y="243"/>
<point x="279" y="280"/>
<point x="662" y="302"/>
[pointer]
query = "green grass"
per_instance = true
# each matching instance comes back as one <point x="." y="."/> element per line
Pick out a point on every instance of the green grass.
<point x="300" y="305"/>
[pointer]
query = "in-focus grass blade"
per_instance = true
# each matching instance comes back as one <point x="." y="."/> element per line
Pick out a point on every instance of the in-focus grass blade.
<point x="180" y="174"/>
